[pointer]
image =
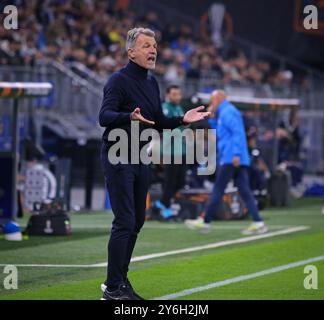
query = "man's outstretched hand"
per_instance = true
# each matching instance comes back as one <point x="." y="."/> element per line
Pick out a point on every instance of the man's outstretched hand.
<point x="136" y="116"/>
<point x="195" y="115"/>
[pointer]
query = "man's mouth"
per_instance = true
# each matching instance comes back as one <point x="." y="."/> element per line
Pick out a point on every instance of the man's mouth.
<point x="151" y="59"/>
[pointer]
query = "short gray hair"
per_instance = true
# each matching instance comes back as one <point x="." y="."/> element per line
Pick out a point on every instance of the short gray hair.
<point x="133" y="34"/>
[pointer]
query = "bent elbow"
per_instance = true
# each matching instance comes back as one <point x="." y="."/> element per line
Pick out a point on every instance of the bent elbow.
<point x="102" y="121"/>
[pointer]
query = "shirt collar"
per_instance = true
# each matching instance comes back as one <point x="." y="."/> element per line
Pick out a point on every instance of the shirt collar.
<point x="136" y="71"/>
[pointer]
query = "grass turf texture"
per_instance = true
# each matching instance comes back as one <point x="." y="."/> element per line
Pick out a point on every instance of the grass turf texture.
<point x="88" y="245"/>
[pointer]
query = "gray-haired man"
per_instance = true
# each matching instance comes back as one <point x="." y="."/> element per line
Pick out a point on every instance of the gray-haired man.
<point x="131" y="94"/>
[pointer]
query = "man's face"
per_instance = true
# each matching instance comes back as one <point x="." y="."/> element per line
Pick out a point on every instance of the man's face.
<point x="175" y="96"/>
<point x="144" y="52"/>
<point x="216" y="99"/>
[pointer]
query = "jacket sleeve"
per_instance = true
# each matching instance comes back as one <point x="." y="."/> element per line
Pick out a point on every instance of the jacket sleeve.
<point x="235" y="124"/>
<point x="113" y="98"/>
<point x="163" y="122"/>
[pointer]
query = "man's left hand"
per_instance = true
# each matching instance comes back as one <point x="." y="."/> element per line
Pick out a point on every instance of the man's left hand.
<point x="194" y="115"/>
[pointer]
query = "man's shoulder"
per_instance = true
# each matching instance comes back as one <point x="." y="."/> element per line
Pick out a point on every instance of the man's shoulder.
<point x="231" y="109"/>
<point x="166" y="104"/>
<point x="179" y="108"/>
<point x="117" y="75"/>
<point x="116" y="79"/>
<point x="166" y="108"/>
<point x="229" y="113"/>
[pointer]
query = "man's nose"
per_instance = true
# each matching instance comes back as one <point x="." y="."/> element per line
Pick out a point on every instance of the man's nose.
<point x="153" y="51"/>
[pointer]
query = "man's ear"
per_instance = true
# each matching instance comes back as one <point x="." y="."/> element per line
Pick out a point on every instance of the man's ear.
<point x="131" y="54"/>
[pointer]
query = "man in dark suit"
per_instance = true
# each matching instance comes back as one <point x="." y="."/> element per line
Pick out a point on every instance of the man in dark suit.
<point x="131" y="94"/>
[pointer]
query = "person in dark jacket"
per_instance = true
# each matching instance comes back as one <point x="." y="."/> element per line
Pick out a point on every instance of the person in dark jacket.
<point x="233" y="163"/>
<point x="174" y="174"/>
<point x="131" y="94"/>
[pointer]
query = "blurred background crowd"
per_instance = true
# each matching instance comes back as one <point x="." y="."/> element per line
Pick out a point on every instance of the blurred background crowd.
<point x="93" y="33"/>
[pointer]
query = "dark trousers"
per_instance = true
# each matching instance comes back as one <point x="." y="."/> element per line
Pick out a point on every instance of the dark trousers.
<point x="174" y="180"/>
<point x="127" y="185"/>
<point x="241" y="180"/>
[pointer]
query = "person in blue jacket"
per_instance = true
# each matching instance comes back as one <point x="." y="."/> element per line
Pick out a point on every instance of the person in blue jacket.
<point x="233" y="161"/>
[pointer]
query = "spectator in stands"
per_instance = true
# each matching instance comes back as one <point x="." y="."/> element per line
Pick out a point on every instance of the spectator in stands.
<point x="289" y="147"/>
<point x="289" y="138"/>
<point x="259" y="172"/>
<point x="46" y="24"/>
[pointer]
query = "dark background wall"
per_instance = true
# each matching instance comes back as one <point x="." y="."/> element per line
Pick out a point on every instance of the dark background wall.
<point x="270" y="23"/>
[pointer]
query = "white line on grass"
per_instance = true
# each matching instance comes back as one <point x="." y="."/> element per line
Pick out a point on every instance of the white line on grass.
<point x="239" y="278"/>
<point x="215" y="245"/>
<point x="49" y="265"/>
<point x="173" y="252"/>
<point x="174" y="226"/>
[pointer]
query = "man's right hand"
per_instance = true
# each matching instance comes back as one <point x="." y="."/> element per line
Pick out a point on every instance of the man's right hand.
<point x="136" y="116"/>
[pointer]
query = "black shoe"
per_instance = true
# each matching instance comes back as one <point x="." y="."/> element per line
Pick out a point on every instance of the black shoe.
<point x="122" y="293"/>
<point x="132" y="291"/>
<point x="129" y="289"/>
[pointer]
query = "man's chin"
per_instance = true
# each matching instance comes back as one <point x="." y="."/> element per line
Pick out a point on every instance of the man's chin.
<point x="150" y="67"/>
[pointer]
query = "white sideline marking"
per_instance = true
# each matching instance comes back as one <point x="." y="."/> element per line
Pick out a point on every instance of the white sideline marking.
<point x="240" y="278"/>
<point x="215" y="245"/>
<point x="173" y="252"/>
<point x="49" y="265"/>
<point x="174" y="226"/>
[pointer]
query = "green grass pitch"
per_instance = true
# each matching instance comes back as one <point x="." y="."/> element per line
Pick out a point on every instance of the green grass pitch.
<point x="162" y="276"/>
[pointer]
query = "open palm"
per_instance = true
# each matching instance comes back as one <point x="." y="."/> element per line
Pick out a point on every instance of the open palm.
<point x="195" y="115"/>
<point x="137" y="116"/>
